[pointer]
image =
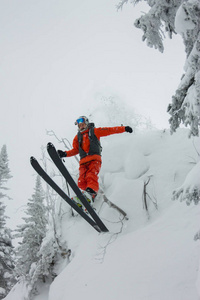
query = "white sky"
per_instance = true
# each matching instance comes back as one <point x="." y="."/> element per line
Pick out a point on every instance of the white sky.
<point x="54" y="55"/>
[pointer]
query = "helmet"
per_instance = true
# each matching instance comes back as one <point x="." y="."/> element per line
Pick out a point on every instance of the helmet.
<point x="82" y="119"/>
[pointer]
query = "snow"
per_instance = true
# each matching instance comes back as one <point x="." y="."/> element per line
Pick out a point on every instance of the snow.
<point x="145" y="264"/>
<point x="135" y="165"/>
<point x="19" y="292"/>
<point x="182" y="21"/>
<point x="150" y="256"/>
<point x="191" y="183"/>
<point x="192" y="179"/>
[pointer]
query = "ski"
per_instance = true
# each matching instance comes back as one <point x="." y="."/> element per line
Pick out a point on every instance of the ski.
<point x="59" y="164"/>
<point x="36" y="166"/>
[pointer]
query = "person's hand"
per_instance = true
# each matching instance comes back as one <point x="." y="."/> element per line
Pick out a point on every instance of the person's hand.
<point x="128" y="129"/>
<point x="62" y="153"/>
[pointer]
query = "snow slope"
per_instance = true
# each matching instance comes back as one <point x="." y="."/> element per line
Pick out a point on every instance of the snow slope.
<point x="157" y="261"/>
<point x="151" y="256"/>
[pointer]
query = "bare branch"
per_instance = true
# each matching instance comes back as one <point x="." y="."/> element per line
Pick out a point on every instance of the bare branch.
<point x="114" y="206"/>
<point x="64" y="141"/>
<point x="145" y="195"/>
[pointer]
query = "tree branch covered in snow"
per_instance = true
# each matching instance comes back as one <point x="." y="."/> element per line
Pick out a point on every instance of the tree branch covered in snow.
<point x="190" y="189"/>
<point x="185" y="105"/>
<point x="160" y="18"/>
<point x="183" y="17"/>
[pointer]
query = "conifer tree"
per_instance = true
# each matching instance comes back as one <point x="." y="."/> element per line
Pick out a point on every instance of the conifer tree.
<point x="40" y="247"/>
<point x="183" y="17"/>
<point x="171" y="17"/>
<point x="4" y="176"/>
<point x="6" y="248"/>
<point x="185" y="106"/>
<point x="32" y="233"/>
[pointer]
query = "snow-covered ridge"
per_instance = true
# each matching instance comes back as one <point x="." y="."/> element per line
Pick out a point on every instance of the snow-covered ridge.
<point x="151" y="256"/>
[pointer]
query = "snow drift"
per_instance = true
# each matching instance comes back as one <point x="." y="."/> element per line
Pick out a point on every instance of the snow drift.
<point x="152" y="255"/>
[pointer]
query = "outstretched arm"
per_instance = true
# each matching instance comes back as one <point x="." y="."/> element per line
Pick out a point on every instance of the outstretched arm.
<point x="105" y="131"/>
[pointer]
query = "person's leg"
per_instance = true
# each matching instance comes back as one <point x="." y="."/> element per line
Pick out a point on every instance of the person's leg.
<point x="92" y="175"/>
<point x="82" y="182"/>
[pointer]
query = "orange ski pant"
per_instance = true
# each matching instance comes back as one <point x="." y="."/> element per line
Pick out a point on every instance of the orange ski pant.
<point x="88" y="175"/>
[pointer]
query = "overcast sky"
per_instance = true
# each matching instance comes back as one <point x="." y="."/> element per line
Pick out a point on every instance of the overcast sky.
<point x="54" y="56"/>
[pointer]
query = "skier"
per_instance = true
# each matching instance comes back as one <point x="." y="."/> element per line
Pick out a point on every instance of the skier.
<point x="87" y="144"/>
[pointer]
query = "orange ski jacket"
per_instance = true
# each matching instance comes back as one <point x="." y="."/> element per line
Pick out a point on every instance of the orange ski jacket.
<point x="99" y="132"/>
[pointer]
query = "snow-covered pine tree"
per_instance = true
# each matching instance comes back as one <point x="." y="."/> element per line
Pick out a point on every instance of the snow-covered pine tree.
<point x="185" y="106"/>
<point x="167" y="16"/>
<point x="29" y="268"/>
<point x="6" y="248"/>
<point x="178" y="16"/>
<point x="41" y="247"/>
<point x="160" y="18"/>
<point x="7" y="278"/>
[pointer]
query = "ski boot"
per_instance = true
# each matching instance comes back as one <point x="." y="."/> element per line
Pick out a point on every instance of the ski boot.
<point x="90" y="194"/>
<point x="77" y="201"/>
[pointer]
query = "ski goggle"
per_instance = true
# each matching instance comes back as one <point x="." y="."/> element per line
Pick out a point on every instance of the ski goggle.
<point x="80" y="120"/>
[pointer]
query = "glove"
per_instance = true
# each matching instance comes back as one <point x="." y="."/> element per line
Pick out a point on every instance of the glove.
<point x="128" y="129"/>
<point x="62" y="153"/>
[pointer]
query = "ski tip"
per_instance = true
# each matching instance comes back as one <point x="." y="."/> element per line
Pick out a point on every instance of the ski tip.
<point x="32" y="159"/>
<point x="97" y="228"/>
<point x="50" y="145"/>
